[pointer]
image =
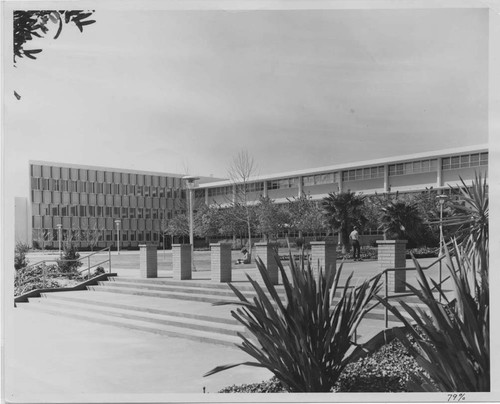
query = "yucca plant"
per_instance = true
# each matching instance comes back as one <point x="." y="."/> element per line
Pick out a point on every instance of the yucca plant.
<point x="449" y="340"/>
<point x="304" y="341"/>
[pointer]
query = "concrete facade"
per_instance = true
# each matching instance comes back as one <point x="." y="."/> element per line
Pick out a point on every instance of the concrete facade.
<point x="87" y="199"/>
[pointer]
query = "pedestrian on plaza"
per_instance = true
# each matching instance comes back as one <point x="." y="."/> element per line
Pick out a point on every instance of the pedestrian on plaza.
<point x="356" y="248"/>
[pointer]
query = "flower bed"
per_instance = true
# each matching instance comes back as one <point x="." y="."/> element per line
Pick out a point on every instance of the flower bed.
<point x="386" y="370"/>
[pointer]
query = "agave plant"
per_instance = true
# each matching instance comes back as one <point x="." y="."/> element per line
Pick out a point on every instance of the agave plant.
<point x="306" y="341"/>
<point x="449" y="340"/>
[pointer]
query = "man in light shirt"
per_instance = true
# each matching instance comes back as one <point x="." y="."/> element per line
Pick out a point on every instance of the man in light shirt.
<point x="356" y="249"/>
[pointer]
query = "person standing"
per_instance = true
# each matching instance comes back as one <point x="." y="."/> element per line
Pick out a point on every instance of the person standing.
<point x="356" y="248"/>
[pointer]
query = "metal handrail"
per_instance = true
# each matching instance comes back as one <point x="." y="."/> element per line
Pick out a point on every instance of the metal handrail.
<point x="44" y="273"/>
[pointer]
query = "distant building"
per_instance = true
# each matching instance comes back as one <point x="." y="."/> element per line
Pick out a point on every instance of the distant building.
<point x="86" y="199"/>
<point x="409" y="173"/>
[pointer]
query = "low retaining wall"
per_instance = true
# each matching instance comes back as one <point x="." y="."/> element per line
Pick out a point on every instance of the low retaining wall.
<point x="81" y="286"/>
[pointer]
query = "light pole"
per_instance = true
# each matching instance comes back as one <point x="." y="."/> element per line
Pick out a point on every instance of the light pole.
<point x="442" y="199"/>
<point x="118" y="222"/>
<point x="59" y="238"/>
<point x="190" y="183"/>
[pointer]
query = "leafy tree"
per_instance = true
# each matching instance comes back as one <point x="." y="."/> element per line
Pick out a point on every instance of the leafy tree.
<point x="178" y="226"/>
<point x="271" y="217"/>
<point x="207" y="221"/>
<point x="305" y="216"/>
<point x="402" y="220"/>
<point x="344" y="210"/>
<point x="34" y="23"/>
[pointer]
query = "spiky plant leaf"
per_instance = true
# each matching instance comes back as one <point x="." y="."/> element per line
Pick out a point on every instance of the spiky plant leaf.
<point x="305" y="342"/>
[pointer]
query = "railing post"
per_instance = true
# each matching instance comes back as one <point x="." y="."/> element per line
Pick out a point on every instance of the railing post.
<point x="386" y="311"/>
<point x="109" y="259"/>
<point x="89" y="265"/>
<point x="44" y="271"/>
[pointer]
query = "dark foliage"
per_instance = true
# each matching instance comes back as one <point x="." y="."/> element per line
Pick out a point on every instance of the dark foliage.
<point x="69" y="262"/>
<point x="33" y="23"/>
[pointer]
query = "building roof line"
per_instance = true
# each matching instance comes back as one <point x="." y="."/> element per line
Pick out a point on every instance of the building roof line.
<point x="358" y="164"/>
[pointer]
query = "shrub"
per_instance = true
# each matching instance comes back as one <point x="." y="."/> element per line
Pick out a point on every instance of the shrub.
<point x="31" y="278"/>
<point x="69" y="263"/>
<point x="306" y="343"/>
<point x="20" y="260"/>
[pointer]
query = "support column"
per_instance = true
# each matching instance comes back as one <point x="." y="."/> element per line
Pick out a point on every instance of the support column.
<point x="220" y="262"/>
<point x="324" y="256"/>
<point x="148" y="261"/>
<point x="265" y="251"/>
<point x="392" y="254"/>
<point x="181" y="261"/>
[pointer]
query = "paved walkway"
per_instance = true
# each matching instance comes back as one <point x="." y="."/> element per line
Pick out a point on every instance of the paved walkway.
<point x="50" y="358"/>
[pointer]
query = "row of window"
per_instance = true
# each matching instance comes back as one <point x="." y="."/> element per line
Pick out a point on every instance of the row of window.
<point x="67" y="173"/>
<point x="283" y="184"/>
<point x="49" y="235"/>
<point x="318" y="179"/>
<point x="100" y="211"/>
<point x="414" y="167"/>
<point x="363" y="173"/>
<point x="464" y="161"/>
<point x="49" y="184"/>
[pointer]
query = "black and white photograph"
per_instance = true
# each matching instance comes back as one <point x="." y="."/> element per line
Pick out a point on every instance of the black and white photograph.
<point x="249" y="201"/>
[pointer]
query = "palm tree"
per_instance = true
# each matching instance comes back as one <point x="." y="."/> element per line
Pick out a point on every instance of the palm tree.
<point x="343" y="210"/>
<point x="402" y="220"/>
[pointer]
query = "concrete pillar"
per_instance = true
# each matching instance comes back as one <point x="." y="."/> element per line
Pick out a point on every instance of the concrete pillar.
<point x="439" y="177"/>
<point x="387" y="185"/>
<point x="392" y="254"/>
<point x="181" y="261"/>
<point x="265" y="251"/>
<point x="300" y="186"/>
<point x="323" y="255"/>
<point x="148" y="260"/>
<point x="220" y="262"/>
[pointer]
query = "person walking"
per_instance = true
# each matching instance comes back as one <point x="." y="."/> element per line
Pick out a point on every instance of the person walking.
<point x="356" y="248"/>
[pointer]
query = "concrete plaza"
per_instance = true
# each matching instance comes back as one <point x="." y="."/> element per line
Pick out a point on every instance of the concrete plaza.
<point x="50" y="358"/>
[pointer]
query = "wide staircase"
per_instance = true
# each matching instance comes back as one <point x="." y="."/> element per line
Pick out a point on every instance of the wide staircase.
<point x="162" y="306"/>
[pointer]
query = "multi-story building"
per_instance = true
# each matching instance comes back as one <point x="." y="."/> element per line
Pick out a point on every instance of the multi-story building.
<point x="87" y="200"/>
<point x="94" y="202"/>
<point x="410" y="173"/>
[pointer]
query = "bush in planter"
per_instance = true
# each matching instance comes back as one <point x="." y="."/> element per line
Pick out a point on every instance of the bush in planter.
<point x="31" y="278"/>
<point x="69" y="262"/>
<point x="305" y="343"/>
<point x="20" y="260"/>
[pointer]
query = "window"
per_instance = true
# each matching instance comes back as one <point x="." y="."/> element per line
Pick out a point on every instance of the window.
<point x="148" y="236"/>
<point x="116" y="211"/>
<point x="132" y="236"/>
<point x="100" y="211"/>
<point x="366" y="173"/>
<point x="124" y="213"/>
<point x="139" y="213"/>
<point x="131" y="213"/>
<point x="83" y="210"/>
<point x="64" y="211"/>
<point x="413" y="167"/>
<point x="148" y="213"/>
<point x="91" y="211"/>
<point x="109" y="211"/>
<point x="464" y="161"/>
<point x="283" y="183"/>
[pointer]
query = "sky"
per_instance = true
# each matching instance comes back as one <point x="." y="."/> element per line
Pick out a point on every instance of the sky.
<point x="185" y="91"/>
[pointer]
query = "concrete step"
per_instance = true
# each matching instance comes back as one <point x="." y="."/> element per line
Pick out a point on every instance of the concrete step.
<point x="222" y="290"/>
<point x="209" y="324"/>
<point x="134" y="323"/>
<point x="143" y="305"/>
